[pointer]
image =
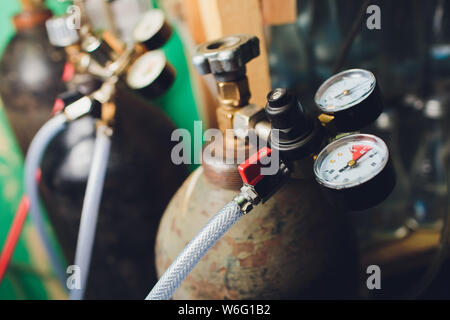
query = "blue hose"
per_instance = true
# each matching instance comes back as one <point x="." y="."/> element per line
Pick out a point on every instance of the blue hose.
<point x="91" y="205"/>
<point x="32" y="164"/>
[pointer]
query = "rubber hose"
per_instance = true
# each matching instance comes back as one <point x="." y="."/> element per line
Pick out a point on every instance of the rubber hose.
<point x="32" y="164"/>
<point x="91" y="204"/>
<point x="194" y="251"/>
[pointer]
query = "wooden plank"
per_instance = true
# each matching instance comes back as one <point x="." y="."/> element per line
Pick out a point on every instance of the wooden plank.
<point x="277" y="12"/>
<point x="194" y="20"/>
<point x="225" y="17"/>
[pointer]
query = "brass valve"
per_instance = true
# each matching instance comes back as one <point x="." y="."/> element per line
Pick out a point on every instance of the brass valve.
<point x="226" y="59"/>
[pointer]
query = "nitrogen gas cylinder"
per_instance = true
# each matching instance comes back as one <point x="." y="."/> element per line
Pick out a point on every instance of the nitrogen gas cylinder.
<point x="30" y="73"/>
<point x="140" y="181"/>
<point x="296" y="245"/>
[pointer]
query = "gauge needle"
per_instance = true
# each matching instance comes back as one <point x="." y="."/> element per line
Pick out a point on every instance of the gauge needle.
<point x="357" y="152"/>
<point x="349" y="91"/>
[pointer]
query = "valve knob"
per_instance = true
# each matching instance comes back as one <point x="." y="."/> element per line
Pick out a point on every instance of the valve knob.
<point x="258" y="186"/>
<point x="60" y="31"/>
<point x="226" y="57"/>
<point x="250" y="170"/>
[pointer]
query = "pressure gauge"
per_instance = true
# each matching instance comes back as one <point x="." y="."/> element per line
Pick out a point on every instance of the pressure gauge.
<point x="356" y="171"/>
<point x="152" y="30"/>
<point x="352" y="97"/>
<point x="150" y="74"/>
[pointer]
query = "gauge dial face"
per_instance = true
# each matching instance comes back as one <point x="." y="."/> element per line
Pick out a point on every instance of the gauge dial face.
<point x="146" y="69"/>
<point x="351" y="161"/>
<point x="151" y="22"/>
<point x="345" y="90"/>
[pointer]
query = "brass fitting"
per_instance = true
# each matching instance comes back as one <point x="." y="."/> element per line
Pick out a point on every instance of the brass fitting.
<point x="108" y="114"/>
<point x="226" y="59"/>
<point x="231" y="96"/>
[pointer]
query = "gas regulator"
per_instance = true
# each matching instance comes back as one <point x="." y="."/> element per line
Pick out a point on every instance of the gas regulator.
<point x="141" y="65"/>
<point x="354" y="169"/>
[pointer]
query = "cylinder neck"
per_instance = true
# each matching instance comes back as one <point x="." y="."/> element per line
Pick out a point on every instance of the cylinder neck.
<point x="29" y="19"/>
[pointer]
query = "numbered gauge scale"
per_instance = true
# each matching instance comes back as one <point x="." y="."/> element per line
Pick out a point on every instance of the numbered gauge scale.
<point x="151" y="75"/>
<point x="355" y="171"/>
<point x="352" y="97"/>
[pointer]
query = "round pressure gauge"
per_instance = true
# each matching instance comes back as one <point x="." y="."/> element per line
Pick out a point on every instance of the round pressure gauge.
<point x="150" y="74"/>
<point x="356" y="171"/>
<point x="152" y="30"/>
<point x="352" y="97"/>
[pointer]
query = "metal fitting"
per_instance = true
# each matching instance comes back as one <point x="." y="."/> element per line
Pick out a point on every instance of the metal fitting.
<point x="247" y="199"/>
<point x="259" y="187"/>
<point x="79" y="108"/>
<point x="246" y="119"/>
<point x="252" y="195"/>
<point x="60" y="32"/>
<point x="233" y="94"/>
<point x="226" y="59"/>
<point x="108" y="113"/>
<point x="106" y="91"/>
<point x="263" y="129"/>
<point x="122" y="62"/>
<point x="99" y="50"/>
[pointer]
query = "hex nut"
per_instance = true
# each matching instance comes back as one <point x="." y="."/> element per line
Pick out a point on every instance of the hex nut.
<point x="246" y="118"/>
<point x="233" y="94"/>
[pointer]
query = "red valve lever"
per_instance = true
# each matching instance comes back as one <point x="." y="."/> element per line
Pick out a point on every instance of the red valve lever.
<point x="250" y="170"/>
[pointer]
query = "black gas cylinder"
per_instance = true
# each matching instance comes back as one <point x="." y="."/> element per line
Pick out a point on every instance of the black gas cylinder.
<point x="140" y="180"/>
<point x="30" y="75"/>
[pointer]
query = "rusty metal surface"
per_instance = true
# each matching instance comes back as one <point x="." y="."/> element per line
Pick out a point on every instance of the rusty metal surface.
<point x="293" y="246"/>
<point x="217" y="170"/>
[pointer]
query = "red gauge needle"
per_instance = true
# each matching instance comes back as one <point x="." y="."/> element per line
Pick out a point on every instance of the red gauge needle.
<point x="359" y="150"/>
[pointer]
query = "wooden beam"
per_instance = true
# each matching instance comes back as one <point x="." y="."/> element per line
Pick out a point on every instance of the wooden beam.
<point x="277" y="12"/>
<point x="224" y="17"/>
<point x="194" y="20"/>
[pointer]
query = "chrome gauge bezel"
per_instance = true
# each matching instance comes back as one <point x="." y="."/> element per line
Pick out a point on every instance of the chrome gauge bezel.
<point x="340" y="142"/>
<point x="338" y="77"/>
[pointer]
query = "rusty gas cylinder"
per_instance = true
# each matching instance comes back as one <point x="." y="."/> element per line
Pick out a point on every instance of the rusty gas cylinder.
<point x="296" y="245"/>
<point x="30" y="73"/>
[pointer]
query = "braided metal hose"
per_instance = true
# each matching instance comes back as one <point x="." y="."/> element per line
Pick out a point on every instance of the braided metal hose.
<point x="195" y="250"/>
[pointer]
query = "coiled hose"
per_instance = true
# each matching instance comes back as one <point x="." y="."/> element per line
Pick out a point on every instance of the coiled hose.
<point x="91" y="204"/>
<point x="32" y="164"/>
<point x="195" y="250"/>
